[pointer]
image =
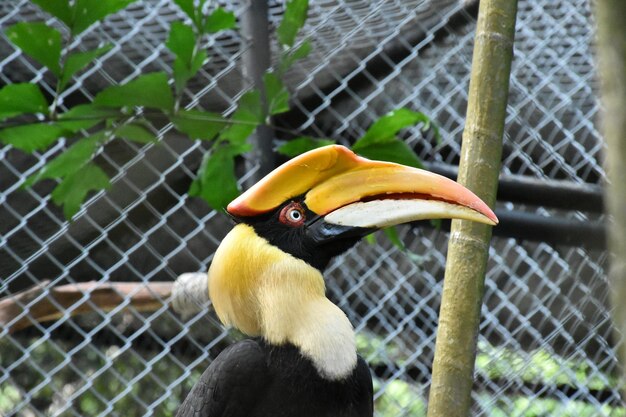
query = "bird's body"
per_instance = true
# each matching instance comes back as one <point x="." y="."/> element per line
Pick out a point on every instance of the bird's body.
<point x="255" y="379"/>
<point x="266" y="280"/>
<point x="305" y="362"/>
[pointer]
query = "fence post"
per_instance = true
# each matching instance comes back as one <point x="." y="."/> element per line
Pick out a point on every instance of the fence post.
<point x="256" y="60"/>
<point x="455" y="349"/>
<point x="610" y="18"/>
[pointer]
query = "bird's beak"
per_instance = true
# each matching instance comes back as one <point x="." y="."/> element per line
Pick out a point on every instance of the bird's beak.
<point x="348" y="190"/>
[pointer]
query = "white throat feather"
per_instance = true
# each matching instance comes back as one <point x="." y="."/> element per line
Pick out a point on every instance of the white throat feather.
<point x="320" y="330"/>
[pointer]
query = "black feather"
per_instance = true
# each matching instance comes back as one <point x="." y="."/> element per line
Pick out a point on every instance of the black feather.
<point x="254" y="379"/>
<point x="297" y="241"/>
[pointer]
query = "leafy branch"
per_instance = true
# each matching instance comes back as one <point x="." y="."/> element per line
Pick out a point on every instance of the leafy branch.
<point x="216" y="181"/>
<point x="33" y="122"/>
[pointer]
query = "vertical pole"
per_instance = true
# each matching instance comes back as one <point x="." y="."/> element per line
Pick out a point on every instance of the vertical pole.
<point x="256" y="60"/>
<point x="610" y="20"/>
<point x="481" y="150"/>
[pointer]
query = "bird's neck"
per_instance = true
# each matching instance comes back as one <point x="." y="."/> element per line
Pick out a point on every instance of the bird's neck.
<point x="320" y="330"/>
<point x="264" y="291"/>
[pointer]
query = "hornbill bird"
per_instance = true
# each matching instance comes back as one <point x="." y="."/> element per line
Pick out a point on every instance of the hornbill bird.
<point x="266" y="280"/>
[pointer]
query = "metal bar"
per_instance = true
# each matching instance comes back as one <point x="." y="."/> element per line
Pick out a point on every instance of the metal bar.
<point x="551" y="230"/>
<point x="256" y="60"/>
<point x="566" y="195"/>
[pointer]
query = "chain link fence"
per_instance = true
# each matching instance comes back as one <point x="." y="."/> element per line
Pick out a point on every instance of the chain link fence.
<point x="546" y="342"/>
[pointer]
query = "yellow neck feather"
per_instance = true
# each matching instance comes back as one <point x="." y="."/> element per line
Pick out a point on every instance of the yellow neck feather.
<point x="261" y="290"/>
<point x="246" y="266"/>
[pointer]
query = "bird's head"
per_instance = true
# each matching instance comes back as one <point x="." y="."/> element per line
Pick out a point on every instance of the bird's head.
<point x="308" y="210"/>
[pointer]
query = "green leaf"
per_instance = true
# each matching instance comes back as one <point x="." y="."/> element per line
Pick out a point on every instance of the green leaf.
<point x="181" y="41"/>
<point x="136" y="133"/>
<point x="24" y="98"/>
<point x="84" y="116"/>
<point x="293" y="20"/>
<point x="149" y="90"/>
<point x="32" y="137"/>
<point x="436" y="223"/>
<point x="69" y="161"/>
<point x="183" y="71"/>
<point x="219" y="20"/>
<point x="181" y="74"/>
<point x="294" y="55"/>
<point x="394" y="151"/>
<point x="198" y="61"/>
<point x="276" y="94"/>
<point x="435" y="128"/>
<point x="189" y="9"/>
<point x="87" y="12"/>
<point x="198" y="124"/>
<point x="392" y="235"/>
<point x="246" y="118"/>
<point x="386" y="128"/>
<point x="216" y="182"/>
<point x="77" y="61"/>
<point x="73" y="190"/>
<point x="418" y="260"/>
<point x="58" y="8"/>
<point x="40" y="41"/>
<point x="9" y="396"/>
<point x="301" y="145"/>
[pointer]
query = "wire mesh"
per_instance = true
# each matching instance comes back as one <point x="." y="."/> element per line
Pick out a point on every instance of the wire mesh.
<point x="545" y="345"/>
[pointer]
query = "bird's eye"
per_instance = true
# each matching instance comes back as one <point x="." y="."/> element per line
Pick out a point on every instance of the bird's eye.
<point x="292" y="215"/>
<point x="295" y="215"/>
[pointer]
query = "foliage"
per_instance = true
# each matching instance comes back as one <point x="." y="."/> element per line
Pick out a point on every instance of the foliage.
<point x="397" y="398"/>
<point x="540" y="366"/>
<point x="401" y="398"/>
<point x="302" y="144"/>
<point x="124" y="112"/>
<point x="375" y="349"/>
<point x="507" y="406"/>
<point x="96" y="383"/>
<point x="33" y="124"/>
<point x="122" y="380"/>
<point x="113" y="113"/>
<point x="9" y="397"/>
<point x="380" y="141"/>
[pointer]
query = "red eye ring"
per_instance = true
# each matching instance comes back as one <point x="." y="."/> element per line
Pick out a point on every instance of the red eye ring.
<point x="292" y="215"/>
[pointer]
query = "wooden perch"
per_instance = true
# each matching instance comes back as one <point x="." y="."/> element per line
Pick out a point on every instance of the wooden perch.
<point x="52" y="303"/>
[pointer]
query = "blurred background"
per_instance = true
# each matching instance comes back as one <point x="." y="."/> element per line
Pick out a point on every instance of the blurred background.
<point x="546" y="343"/>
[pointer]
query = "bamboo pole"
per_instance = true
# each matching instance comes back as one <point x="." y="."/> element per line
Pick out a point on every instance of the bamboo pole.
<point x="611" y="18"/>
<point x="455" y="350"/>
